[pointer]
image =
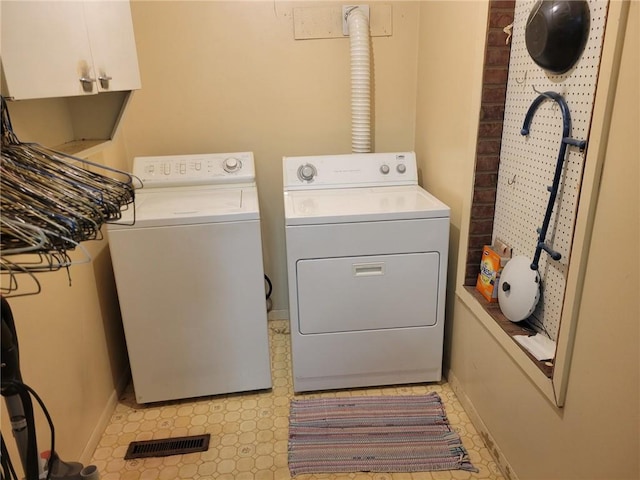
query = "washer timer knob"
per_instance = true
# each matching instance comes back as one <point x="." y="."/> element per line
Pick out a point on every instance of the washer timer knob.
<point x="231" y="164"/>
<point x="306" y="172"/>
<point x="401" y="168"/>
<point x="384" y="169"/>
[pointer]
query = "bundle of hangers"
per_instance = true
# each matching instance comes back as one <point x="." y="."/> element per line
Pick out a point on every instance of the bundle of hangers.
<point x="50" y="202"/>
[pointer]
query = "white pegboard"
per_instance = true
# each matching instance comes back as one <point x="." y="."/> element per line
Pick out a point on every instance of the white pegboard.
<point x="527" y="164"/>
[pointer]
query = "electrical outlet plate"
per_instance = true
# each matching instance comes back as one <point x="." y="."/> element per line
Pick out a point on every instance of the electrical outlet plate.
<point x="345" y="13"/>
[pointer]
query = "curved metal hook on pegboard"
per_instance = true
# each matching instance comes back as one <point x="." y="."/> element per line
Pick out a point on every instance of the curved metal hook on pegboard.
<point x="553" y="189"/>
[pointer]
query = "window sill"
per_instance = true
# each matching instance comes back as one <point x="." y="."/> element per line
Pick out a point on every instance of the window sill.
<point x="509" y="328"/>
<point x="502" y="330"/>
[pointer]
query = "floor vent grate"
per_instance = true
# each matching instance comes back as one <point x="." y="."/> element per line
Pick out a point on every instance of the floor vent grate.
<point x="168" y="446"/>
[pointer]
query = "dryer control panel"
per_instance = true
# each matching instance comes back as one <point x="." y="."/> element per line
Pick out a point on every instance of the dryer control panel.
<point x="198" y="169"/>
<point x="350" y="170"/>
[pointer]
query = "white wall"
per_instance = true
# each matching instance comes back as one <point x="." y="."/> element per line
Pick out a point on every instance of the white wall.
<point x="229" y="76"/>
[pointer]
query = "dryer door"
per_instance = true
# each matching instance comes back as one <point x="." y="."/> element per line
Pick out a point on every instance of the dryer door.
<point x="367" y="293"/>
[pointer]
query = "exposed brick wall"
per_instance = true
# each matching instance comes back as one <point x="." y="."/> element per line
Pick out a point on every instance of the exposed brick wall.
<point x="494" y="87"/>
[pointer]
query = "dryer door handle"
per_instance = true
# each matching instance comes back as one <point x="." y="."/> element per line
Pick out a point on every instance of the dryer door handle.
<point x="367" y="269"/>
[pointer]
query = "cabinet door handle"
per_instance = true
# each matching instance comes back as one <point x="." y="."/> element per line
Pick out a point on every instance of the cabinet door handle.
<point x="87" y="83"/>
<point x="104" y="81"/>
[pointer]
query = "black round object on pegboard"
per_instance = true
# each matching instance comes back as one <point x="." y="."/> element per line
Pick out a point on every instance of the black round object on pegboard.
<point x="556" y="33"/>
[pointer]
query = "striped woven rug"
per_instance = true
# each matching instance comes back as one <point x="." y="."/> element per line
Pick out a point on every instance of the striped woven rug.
<point x="373" y="434"/>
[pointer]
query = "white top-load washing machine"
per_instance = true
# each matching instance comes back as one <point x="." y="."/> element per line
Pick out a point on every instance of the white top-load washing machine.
<point x="367" y="255"/>
<point x="190" y="278"/>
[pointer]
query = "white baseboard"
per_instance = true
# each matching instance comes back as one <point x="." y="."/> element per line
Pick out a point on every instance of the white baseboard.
<point x="278" y="315"/>
<point x="105" y="418"/>
<point x="477" y="422"/>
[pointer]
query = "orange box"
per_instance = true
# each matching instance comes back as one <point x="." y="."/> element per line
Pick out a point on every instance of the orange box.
<point x="489" y="276"/>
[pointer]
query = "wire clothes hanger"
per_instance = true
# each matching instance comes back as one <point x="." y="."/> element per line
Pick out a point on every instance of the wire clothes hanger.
<point x="51" y="202"/>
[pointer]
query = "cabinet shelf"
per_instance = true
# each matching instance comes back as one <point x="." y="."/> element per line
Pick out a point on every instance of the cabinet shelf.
<point x="81" y="148"/>
<point x="78" y="126"/>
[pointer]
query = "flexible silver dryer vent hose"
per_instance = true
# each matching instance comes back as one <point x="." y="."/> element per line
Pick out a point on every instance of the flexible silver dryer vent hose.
<point x="358" y="25"/>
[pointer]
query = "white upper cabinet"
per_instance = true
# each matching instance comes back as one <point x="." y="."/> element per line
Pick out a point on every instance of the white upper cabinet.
<point x="113" y="45"/>
<point x="67" y="48"/>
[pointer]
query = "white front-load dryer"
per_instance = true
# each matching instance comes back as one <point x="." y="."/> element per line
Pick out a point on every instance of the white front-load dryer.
<point x="189" y="275"/>
<point x="367" y="252"/>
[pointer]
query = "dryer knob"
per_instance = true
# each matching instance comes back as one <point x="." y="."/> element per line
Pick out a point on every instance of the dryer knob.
<point x="231" y="164"/>
<point x="384" y="169"/>
<point x="306" y="172"/>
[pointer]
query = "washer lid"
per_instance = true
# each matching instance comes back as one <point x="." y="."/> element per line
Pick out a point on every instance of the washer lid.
<point x="343" y="205"/>
<point x="190" y="205"/>
<point x="519" y="289"/>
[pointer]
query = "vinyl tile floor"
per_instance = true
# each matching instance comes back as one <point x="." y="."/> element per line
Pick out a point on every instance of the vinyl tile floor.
<point x="249" y="432"/>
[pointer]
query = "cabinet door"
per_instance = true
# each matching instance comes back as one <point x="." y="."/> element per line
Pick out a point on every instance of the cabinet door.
<point x="67" y="48"/>
<point x="45" y="49"/>
<point x="113" y="45"/>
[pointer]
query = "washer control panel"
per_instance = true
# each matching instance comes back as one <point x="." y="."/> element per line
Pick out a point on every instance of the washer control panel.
<point x="198" y="169"/>
<point x="351" y="170"/>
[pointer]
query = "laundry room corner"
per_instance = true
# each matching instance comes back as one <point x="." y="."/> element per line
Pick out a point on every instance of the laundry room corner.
<point x="447" y="112"/>
<point x="530" y="435"/>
